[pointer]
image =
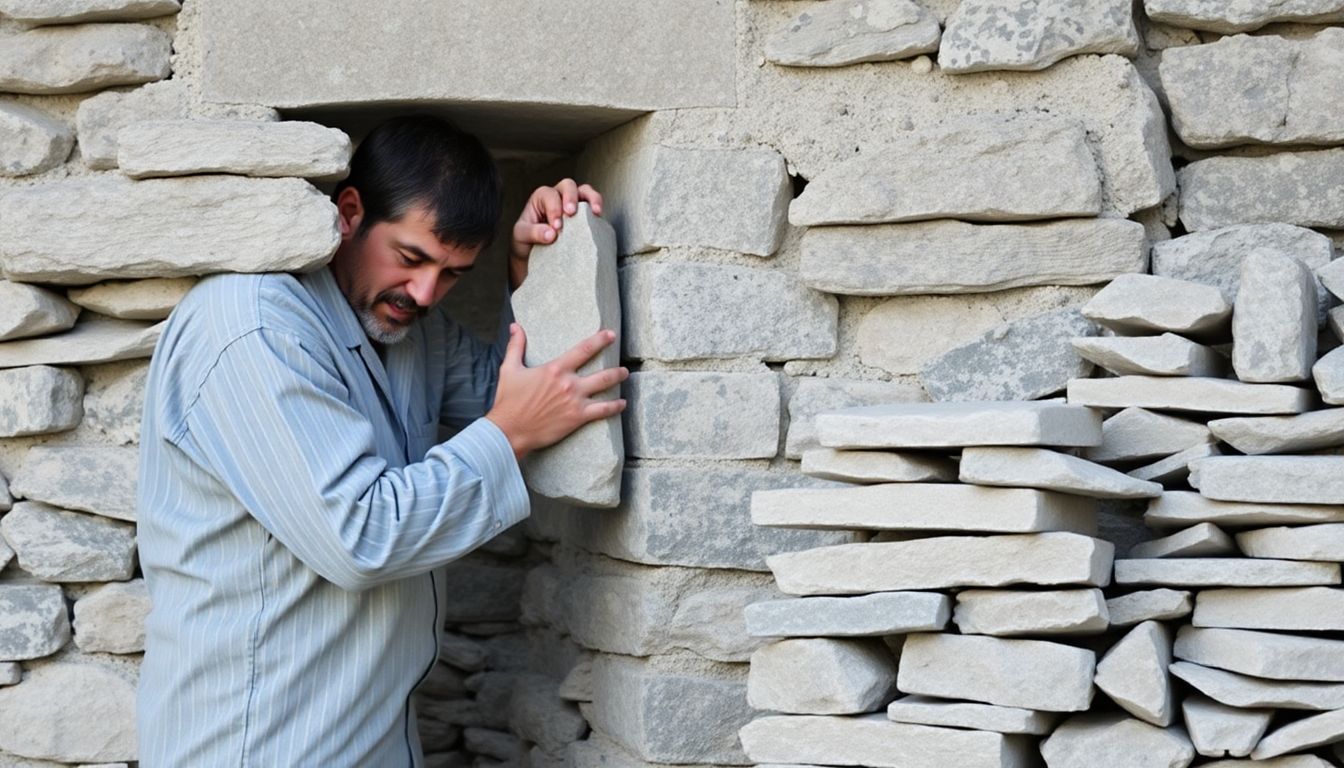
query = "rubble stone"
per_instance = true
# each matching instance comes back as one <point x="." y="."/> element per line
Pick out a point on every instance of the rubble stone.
<point x="1007" y="613"/>
<point x="1263" y="654"/>
<point x="873" y="740"/>
<point x="83" y="57"/>
<point x="1149" y="604"/>
<point x="1088" y="740"/>
<point x="1199" y="540"/>
<point x="56" y="545"/>
<point x="72" y="710"/>
<point x="1249" y="692"/>
<point x="1274" y="325"/>
<point x="952" y="425"/>
<point x="1306" y="733"/>
<point x="33" y="621"/>
<point x="40" y="400"/>
<point x="1140" y="303"/>
<point x="1290" y="187"/>
<point x="820" y="676"/>
<point x="702" y="415"/>
<point x="1165" y="355"/>
<point x="1271" y="479"/>
<point x="815" y="396"/>
<point x="1241" y="15"/>
<point x="924" y="710"/>
<point x="1328" y="373"/>
<point x="1050" y="470"/>
<point x="97" y="479"/>
<point x="31" y="141"/>
<point x="1031" y="674"/>
<point x="150" y="299"/>
<point x="1134" y="674"/>
<point x="1189" y="394"/>
<point x="36" y="12"/>
<point x="182" y="147"/>
<point x="1282" y="434"/>
<point x="1019" y="360"/>
<point x="1224" y="572"/>
<point x="876" y="466"/>
<point x="1301" y="609"/>
<point x="111" y="618"/>
<point x="101" y="117"/>
<point x="1181" y="508"/>
<point x="854" y="31"/>
<point x="1134" y="434"/>
<point x="1002" y="34"/>
<point x="884" y="613"/>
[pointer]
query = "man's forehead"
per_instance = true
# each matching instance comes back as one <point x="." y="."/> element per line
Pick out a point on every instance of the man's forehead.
<point x="414" y="230"/>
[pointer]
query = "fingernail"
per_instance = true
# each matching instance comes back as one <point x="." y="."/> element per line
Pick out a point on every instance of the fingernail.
<point x="569" y="208"/>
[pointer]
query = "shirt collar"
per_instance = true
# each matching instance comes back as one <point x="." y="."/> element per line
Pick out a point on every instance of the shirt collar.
<point x="341" y="317"/>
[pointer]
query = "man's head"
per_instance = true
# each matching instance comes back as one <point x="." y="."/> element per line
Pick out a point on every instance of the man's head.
<point x="421" y="202"/>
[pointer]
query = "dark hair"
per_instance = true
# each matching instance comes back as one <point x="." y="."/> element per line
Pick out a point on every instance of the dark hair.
<point x="425" y="160"/>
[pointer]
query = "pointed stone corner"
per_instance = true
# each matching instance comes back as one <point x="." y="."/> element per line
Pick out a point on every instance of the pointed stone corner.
<point x="1134" y="674"/>
<point x="571" y="292"/>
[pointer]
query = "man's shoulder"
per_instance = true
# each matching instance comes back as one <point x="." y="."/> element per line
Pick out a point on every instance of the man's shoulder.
<point x="222" y="308"/>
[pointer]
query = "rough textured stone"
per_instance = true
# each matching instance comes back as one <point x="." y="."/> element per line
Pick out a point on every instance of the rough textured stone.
<point x="114" y="399"/>
<point x="1292" y="187"/>
<point x="1031" y="674"/>
<point x="1134" y="434"/>
<point x="702" y="415"/>
<point x="1271" y="479"/>
<point x="1020" y="360"/>
<point x="56" y="545"/>
<point x="83" y="57"/>
<point x="1050" y="470"/>
<point x="1007" y="34"/>
<point x="1263" y="89"/>
<point x="685" y="311"/>
<point x="815" y="396"/>
<point x="1181" y="508"/>
<point x="40" y="400"/>
<point x="876" y="466"/>
<point x="1189" y="394"/>
<point x="1090" y="740"/>
<point x="151" y="299"/>
<point x="31" y="141"/>
<point x="1005" y="613"/>
<point x="1143" y="303"/>
<point x="873" y="740"/>
<point x="1224" y="572"/>
<point x="29" y="310"/>
<point x="1328" y="373"/>
<point x="183" y="147"/>
<point x="1165" y="355"/>
<point x="98" y="479"/>
<point x="1306" y="609"/>
<point x="1308" y="542"/>
<point x="1148" y="605"/>
<point x="854" y="31"/>
<point x="945" y="562"/>
<point x="92" y="341"/>
<point x="1241" y="15"/>
<point x="924" y="506"/>
<point x="1214" y="257"/>
<point x="1274" y="326"/>
<point x="1263" y="654"/>
<point x="1176" y="467"/>
<point x="111" y="618"/>
<point x="1282" y="434"/>
<point x="74" y="709"/>
<point x="884" y="613"/>
<point x="819" y="676"/>
<point x="1247" y="692"/>
<point x="1199" y="540"/>
<point x="33" y="621"/>
<point x="950" y="425"/>
<point x="1134" y="674"/>
<point x="78" y="231"/>
<point x="76" y="11"/>
<point x="986" y="170"/>
<point x="1306" y="733"/>
<point x="101" y="117"/>
<point x="923" y="710"/>
<point x="538" y="715"/>
<point x="10" y="673"/>
<point x="948" y="256"/>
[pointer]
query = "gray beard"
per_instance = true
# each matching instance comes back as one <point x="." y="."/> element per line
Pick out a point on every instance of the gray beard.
<point x="379" y="331"/>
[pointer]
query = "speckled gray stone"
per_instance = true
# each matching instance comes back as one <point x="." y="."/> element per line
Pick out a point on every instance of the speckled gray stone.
<point x="1263" y="654"/>
<point x="1182" y="508"/>
<point x="1291" y="187"/>
<point x="1298" y="735"/>
<point x="1282" y="434"/>
<point x="1019" y="360"/>
<point x="1190" y="394"/>
<point x="1141" y="303"/>
<point x="1224" y="572"/>
<point x="702" y="415"/>
<point x="1134" y="674"/>
<point x="30" y="310"/>
<point x="111" y="618"/>
<point x="56" y="545"/>
<point x="183" y="147"/>
<point x="1328" y="374"/>
<point x="1292" y="609"/>
<point x="1092" y="740"/>
<point x="926" y="710"/>
<point x="1241" y="15"/>
<point x="1050" y="470"/>
<point x="873" y="740"/>
<point x="1271" y="479"/>
<point x="40" y="400"/>
<point x="883" y="613"/>
<point x="814" y="396"/>
<point x="957" y="424"/>
<point x="1199" y="540"/>
<point x="877" y="466"/>
<point x="1033" y="34"/>
<point x="75" y="11"/>
<point x="150" y="299"/>
<point x="1009" y="613"/>
<point x="33" y="621"/>
<point x="1148" y="604"/>
<point x="1274" y="322"/>
<point x="854" y="31"/>
<point x="89" y="478"/>
<point x="1249" y="692"/>
<point x="1134" y="434"/>
<point x="822" y="676"/>
<point x="74" y="709"/>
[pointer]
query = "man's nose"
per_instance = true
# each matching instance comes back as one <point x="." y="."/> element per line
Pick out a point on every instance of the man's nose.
<point x="421" y="288"/>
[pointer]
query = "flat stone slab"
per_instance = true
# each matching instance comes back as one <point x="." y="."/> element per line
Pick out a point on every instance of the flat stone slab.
<point x="1251" y="692"/>
<point x="1134" y="434"/>
<point x="1165" y="355"/>
<point x="56" y="545"/>
<point x="1241" y="15"/>
<point x="947" y="257"/>
<point x="1052" y="471"/>
<point x="1263" y="654"/>
<point x="1002" y="34"/>
<point x="1134" y="674"/>
<point x="815" y="396"/>
<point x="154" y="148"/>
<point x="111" y="618"/>
<point x="924" y="506"/>
<point x="945" y="562"/>
<point x="40" y="400"/>
<point x="1190" y="394"/>
<point x="1290" y="187"/>
<point x="1149" y="604"/>
<point x="150" y="299"/>
<point x="884" y="613"/>
<point x="92" y="341"/>
<point x="97" y="479"/>
<point x="1328" y="373"/>
<point x="37" y="12"/>
<point x="32" y="140"/>
<point x="1224" y="572"/>
<point x="30" y="310"/>
<point x="1182" y="508"/>
<point x="77" y="709"/>
<point x="953" y="425"/>
<point x="1030" y="674"/>
<point x="925" y="710"/>
<point x="989" y="169"/>
<point x="854" y="31"/>
<point x="1023" y="359"/>
<point x="1176" y="467"/>
<point x="1298" y="735"/>
<point x="83" y="57"/>
<point x="873" y="740"/>
<point x="1089" y="740"/>
<point x="1199" y="540"/>
<point x="1274" y="326"/>
<point x="821" y="676"/>
<point x="877" y="466"/>
<point x="1307" y="542"/>
<point x="1008" y="613"/>
<point x="1293" y="609"/>
<point x="1271" y="479"/>
<point x="33" y="621"/>
<point x="1141" y="303"/>
<point x="1282" y="434"/>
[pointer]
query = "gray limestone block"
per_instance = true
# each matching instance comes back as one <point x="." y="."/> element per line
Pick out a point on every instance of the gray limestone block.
<point x="1148" y="605"/>
<point x="100" y="118"/>
<point x="1261" y="89"/>
<point x="1134" y="674"/>
<point x="1251" y="692"/>
<point x="184" y="147"/>
<point x="877" y="466"/>
<point x="73" y="709"/>
<point x="1191" y="572"/>
<point x="33" y="621"/>
<point x="988" y="169"/>
<point x="874" y="740"/>
<point x="1050" y="470"/>
<point x="1274" y="322"/>
<point x="80" y="231"/>
<point x="1165" y="355"/>
<point x="538" y="714"/>
<point x="83" y="57"/>
<point x="1135" y="434"/>
<point x="1031" y="674"/>
<point x="97" y="479"/>
<point x="37" y="12"/>
<point x="1139" y="303"/>
<point x="571" y="292"/>
<point x="926" y="710"/>
<point x="946" y="257"/>
<point x="150" y="299"/>
<point x="1090" y="740"/>
<point x="96" y="340"/>
<point x="31" y="141"/>
<point x="40" y="400"/>
<point x="1182" y="508"/>
<point x="883" y="613"/>
<point x="56" y="545"/>
<point x="111" y="618"/>
<point x="814" y="396"/>
<point x="30" y="310"/>
<point x="1229" y="16"/>
<point x="1011" y="34"/>
<point x="687" y="311"/>
<point x="1019" y="360"/>
<point x="854" y="31"/>
<point x="1313" y="731"/>
<point x="822" y="676"/>
<point x="1292" y="609"/>
<point x="1299" y="188"/>
<point x="1010" y="613"/>
<point x="1282" y="434"/>
<point x="1271" y="479"/>
<point x="699" y="415"/>
<point x="1190" y="394"/>
<point x="958" y="424"/>
<point x="1199" y="540"/>
<point x="1306" y="542"/>
<point x="1328" y="373"/>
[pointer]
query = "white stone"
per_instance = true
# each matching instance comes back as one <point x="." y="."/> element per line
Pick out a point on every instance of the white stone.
<point x="1091" y="740"/>
<point x="1294" y="609"/>
<point x="1199" y="540"/>
<point x="877" y="466"/>
<point x="1140" y="303"/>
<point x="1006" y="34"/>
<point x="1308" y="542"/>
<point x="90" y="478"/>
<point x="83" y="57"/>
<point x="924" y="506"/>
<point x="1274" y="325"/>
<point x="819" y="676"/>
<point x="1190" y="394"/>
<point x="884" y="613"/>
<point x="1182" y="508"/>
<point x="1165" y="355"/>
<point x="150" y="299"/>
<point x="1135" y="434"/>
<point x="873" y="740"/>
<point x="924" y="710"/>
<point x="56" y="545"/>
<point x="76" y="11"/>
<point x="1134" y="674"/>
<point x="1306" y="733"/>
<point x="1241" y="15"/>
<point x="1263" y="654"/>
<point x="1224" y="572"/>
<point x="1290" y="187"/>
<point x="1328" y="372"/>
<point x="113" y="401"/>
<point x="111" y="618"/>
<point x="1176" y="467"/>
<point x="97" y="340"/>
<point x="1050" y="470"/>
<point x="815" y="396"/>
<point x="1008" y="613"/>
<point x="951" y="425"/>
<point x="1023" y="359"/>
<point x="1271" y="479"/>
<point x="33" y="621"/>
<point x="31" y="141"/>
<point x="1031" y="674"/>
<point x="79" y="231"/>
<point x="854" y="31"/>
<point x="989" y="169"/>
<point x="1282" y="434"/>
<point x="101" y="117"/>
<point x="29" y="310"/>
<point x="947" y="256"/>
<point x="1249" y="692"/>
<point x="183" y="147"/>
<point x="1149" y="604"/>
<point x="702" y="415"/>
<point x="10" y="673"/>
<point x="75" y="709"/>
<point x="40" y="400"/>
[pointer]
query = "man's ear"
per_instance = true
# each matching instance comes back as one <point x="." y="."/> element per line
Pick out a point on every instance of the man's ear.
<point x="349" y="212"/>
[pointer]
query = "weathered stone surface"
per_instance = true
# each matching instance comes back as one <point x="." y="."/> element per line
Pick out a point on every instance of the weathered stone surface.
<point x="873" y="740"/>
<point x="1262" y="89"/>
<point x="83" y="57"/>
<point x="113" y="401"/>
<point x="31" y="141"/>
<point x="6" y="554"/>
<point x="92" y="341"/>
<point x="1165" y="355"/>
<point x="1199" y="540"/>
<point x="815" y="396"/>
<point x="97" y="479"/>
<point x="1134" y="674"/>
<point x="1140" y="303"/>
<point x="1190" y="394"/>
<point x="923" y="710"/>
<point x="74" y="709"/>
<point x="924" y="506"/>
<point x="150" y="299"/>
<point x="702" y="415"/>
<point x="854" y="31"/>
<point x="948" y="256"/>
<point x="78" y="231"/>
<point x="1176" y="467"/>
<point x="884" y="613"/>
<point x="571" y="292"/>
<point x="10" y="673"/>
<point x="819" y="676"/>
<point x="1248" y="692"/>
<point x="1301" y="734"/>
<point x="1328" y="372"/>
<point x="37" y="12"/>
<point x="578" y="684"/>
<point x="56" y="545"/>
<point x="111" y="618"/>
<point x="1005" y="34"/>
<point x="1031" y="674"/>
<point x="1308" y="542"/>
<point x="33" y="621"/>
<point x="950" y="425"/>
<point x="40" y="400"/>
<point x="182" y="147"/>
<point x="686" y="311"/>
<point x="876" y="466"/>
<point x="1271" y="479"/>
<point x="538" y="715"/>
<point x="1149" y="604"/>
<point x="101" y="117"/>
<point x="1214" y="257"/>
<point x="29" y="310"/>
<point x="1020" y="360"/>
<point x="1241" y="15"/>
<point x="1274" y="326"/>
<point x="1305" y="609"/>
<point x="1263" y="654"/>
<point x="1090" y="740"/>
<point x="1282" y="434"/>
<point x="1224" y="572"/>
<point x="1005" y="613"/>
<point x="1331" y="276"/>
<point x="1293" y="187"/>
<point x="1135" y="434"/>
<point x="1181" y="508"/>
<point x="1050" y="470"/>
<point x="985" y="170"/>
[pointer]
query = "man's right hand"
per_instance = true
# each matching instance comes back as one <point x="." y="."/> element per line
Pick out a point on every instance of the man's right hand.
<point x="537" y="407"/>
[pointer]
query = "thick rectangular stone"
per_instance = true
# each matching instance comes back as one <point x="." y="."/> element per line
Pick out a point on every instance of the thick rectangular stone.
<point x="986" y="35"/>
<point x="855" y="31"/>
<point x="1006" y="613"/>
<point x="1134" y="434"/>
<point x="1274" y="326"/>
<point x="83" y="57"/>
<point x="96" y="340"/>
<point x="34" y="622"/>
<point x="1031" y="674"/>
<point x="924" y="507"/>
<point x="814" y="396"/>
<point x="695" y="415"/>
<point x="948" y="256"/>
<point x="1050" y="470"/>
<point x="954" y="425"/>
<point x="149" y="299"/>
<point x="877" y="466"/>
<point x="1182" y="508"/>
<point x="1299" y="188"/>
<point x="1148" y="605"/>
<point x="822" y="676"/>
<point x="40" y="400"/>
<point x="1300" y="609"/>
<point x="884" y="613"/>
<point x="686" y="311"/>
<point x="1111" y="738"/>
<point x="1282" y="434"/>
<point x="1190" y="394"/>
<point x="1229" y="16"/>
<point x="1307" y="542"/>
<point x="1165" y="355"/>
<point x="873" y="740"/>
<point x="1224" y="572"/>
<point x="154" y="148"/>
<point x="1251" y="692"/>
<point x="945" y="562"/>
<point x="1271" y="479"/>
<point x="1263" y="654"/>
<point x="1023" y="359"/>
<point x="61" y="546"/>
<point x="89" y="478"/>
<point x="925" y="710"/>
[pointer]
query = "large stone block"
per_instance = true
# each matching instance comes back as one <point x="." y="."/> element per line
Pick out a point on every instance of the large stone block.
<point x="815" y="396"/>
<point x="954" y="425"/>
<point x="1300" y="609"/>
<point x="1031" y="674"/>
<point x="152" y="148"/>
<point x="76" y="11"/>
<point x="1248" y="692"/>
<point x="80" y="231"/>
<point x="97" y="479"/>
<point x="31" y="141"/>
<point x="1299" y="188"/>
<point x="83" y="57"/>
<point x="1274" y="323"/>
<point x="1182" y="508"/>
<point x="949" y="256"/>
<point x="1271" y="479"/>
<point x="1050" y="470"/>
<point x="56" y="545"/>
<point x="1189" y="394"/>
<point x="150" y="299"/>
<point x="1229" y="16"/>
<point x="75" y="709"/>
<point x="698" y="415"/>
<point x="1224" y="572"/>
<point x="1263" y="654"/>
<point x="1006" y="34"/>
<point x="29" y="310"/>
<point x="33" y="621"/>
<point x="883" y="613"/>
<point x="821" y="676"/>
<point x="113" y="401"/>
<point x="854" y="31"/>
<point x="687" y="311"/>
<point x="40" y="400"/>
<point x="873" y="740"/>
<point x="111" y="618"/>
<point x="1088" y="740"/>
<point x="1008" y="613"/>
<point x="1134" y="674"/>
<point x="986" y="170"/>
<point x="1019" y="360"/>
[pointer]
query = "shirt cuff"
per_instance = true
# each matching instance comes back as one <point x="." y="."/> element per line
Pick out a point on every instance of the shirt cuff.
<point x="484" y="447"/>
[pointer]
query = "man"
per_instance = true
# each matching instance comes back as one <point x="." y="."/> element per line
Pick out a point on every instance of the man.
<point x="294" y="500"/>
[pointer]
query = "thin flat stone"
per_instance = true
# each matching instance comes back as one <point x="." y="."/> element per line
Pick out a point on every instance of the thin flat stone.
<point x="1140" y="303"/>
<point x="1092" y="740"/>
<point x="1050" y="470"/>
<point x="1030" y="674"/>
<point x="33" y="621"/>
<point x="1008" y="613"/>
<point x="1182" y="508"/>
<point x="925" y="710"/>
<point x="92" y="341"/>
<point x="1271" y="479"/>
<point x="1218" y="730"/>
<point x="150" y="299"/>
<point x="1228" y="16"/>
<point x="1135" y="433"/>
<point x="183" y="147"/>
<point x="1274" y="325"/>
<point x="884" y="613"/>
<point x="1282" y="434"/>
<point x="56" y="545"/>
<point x="83" y="57"/>
<point x="1263" y="654"/>
<point x="1176" y="467"/>
<point x="873" y="740"/>
<point x="815" y="396"/>
<point x="1134" y="674"/>
<point x="1299" y="188"/>
<point x="877" y="466"/>
<point x="1225" y="572"/>
<point x="1306" y="733"/>
<point x="91" y="478"/>
<point x="821" y="676"/>
<point x="30" y="310"/>
<point x="1308" y="542"/>
<point x="1004" y="34"/>
<point x="78" y="11"/>
<point x="951" y="425"/>
<point x="1293" y="609"/>
<point x="1250" y="692"/>
<point x="855" y="31"/>
<point x="1199" y="540"/>
<point x="1165" y="355"/>
<point x="1149" y="604"/>
<point x="1190" y="394"/>
<point x="1328" y="373"/>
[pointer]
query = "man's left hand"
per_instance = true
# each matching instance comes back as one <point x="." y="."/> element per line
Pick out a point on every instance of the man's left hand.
<point x="542" y="219"/>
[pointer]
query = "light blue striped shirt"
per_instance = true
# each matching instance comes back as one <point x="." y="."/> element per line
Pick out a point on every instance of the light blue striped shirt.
<point x="295" y="508"/>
